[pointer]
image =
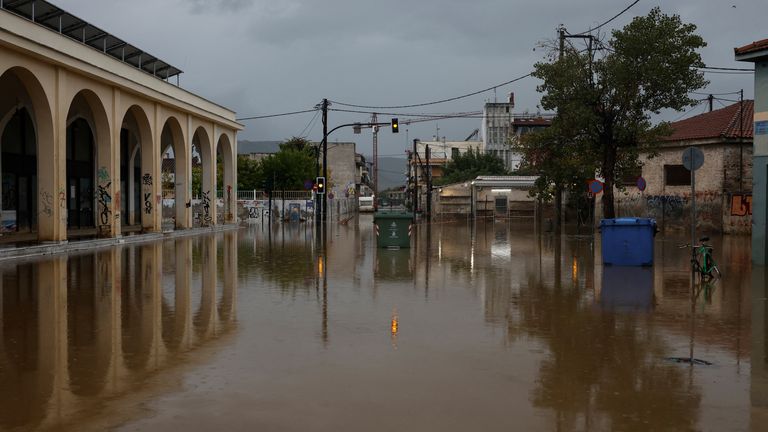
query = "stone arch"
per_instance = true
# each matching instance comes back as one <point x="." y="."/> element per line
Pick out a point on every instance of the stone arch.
<point x="91" y="197"/>
<point x="226" y="159"/>
<point x="172" y="136"/>
<point x="136" y="169"/>
<point x="201" y="142"/>
<point x="21" y="89"/>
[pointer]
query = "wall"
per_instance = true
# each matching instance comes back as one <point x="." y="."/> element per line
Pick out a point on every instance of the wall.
<point x="721" y="205"/>
<point x="343" y="168"/>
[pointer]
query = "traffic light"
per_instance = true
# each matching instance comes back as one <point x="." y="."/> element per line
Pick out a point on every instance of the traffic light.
<point x="395" y="126"/>
<point x="320" y="183"/>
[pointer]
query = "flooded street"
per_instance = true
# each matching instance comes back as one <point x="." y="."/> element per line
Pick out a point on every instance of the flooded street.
<point x="485" y="327"/>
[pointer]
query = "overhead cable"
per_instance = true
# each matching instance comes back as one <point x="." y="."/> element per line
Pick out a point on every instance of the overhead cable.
<point x="613" y="18"/>
<point x="277" y="115"/>
<point x="437" y="101"/>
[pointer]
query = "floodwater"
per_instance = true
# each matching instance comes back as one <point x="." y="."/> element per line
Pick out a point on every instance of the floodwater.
<point x="485" y="327"/>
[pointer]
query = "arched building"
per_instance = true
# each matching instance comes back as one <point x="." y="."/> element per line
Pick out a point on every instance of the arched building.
<point x="84" y="120"/>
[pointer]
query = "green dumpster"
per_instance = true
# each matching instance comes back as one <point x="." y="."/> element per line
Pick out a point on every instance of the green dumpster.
<point x="393" y="229"/>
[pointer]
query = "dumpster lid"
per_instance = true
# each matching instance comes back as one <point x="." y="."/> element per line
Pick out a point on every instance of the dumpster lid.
<point x="628" y="221"/>
<point x="392" y="215"/>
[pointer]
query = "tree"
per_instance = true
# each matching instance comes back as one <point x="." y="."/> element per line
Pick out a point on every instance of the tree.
<point x="471" y="164"/>
<point x="288" y="169"/>
<point x="604" y="103"/>
<point x="249" y="173"/>
<point x="297" y="143"/>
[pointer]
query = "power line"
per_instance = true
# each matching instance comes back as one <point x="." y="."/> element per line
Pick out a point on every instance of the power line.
<point x="687" y="111"/>
<point x="310" y="125"/>
<point x="399" y="114"/>
<point x="437" y="101"/>
<point x="613" y="18"/>
<point x="276" y="115"/>
<point x="728" y="69"/>
<point x="715" y="94"/>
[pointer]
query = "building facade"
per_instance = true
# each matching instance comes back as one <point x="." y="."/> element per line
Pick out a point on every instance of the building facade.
<point x="85" y="118"/>
<point x="723" y="184"/>
<point x="502" y="128"/>
<point x="757" y="53"/>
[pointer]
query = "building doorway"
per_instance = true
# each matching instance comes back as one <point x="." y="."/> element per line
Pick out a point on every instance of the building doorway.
<point x="80" y="176"/>
<point x="19" y="174"/>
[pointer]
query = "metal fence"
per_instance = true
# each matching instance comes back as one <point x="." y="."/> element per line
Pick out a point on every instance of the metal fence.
<point x="251" y="195"/>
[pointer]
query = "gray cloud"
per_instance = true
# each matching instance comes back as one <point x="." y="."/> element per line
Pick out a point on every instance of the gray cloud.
<point x="267" y="56"/>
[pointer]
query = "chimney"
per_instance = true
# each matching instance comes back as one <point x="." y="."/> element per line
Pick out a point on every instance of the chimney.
<point x="512" y="99"/>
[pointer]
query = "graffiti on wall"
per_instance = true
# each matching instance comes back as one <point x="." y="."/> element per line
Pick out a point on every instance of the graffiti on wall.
<point x="46" y="200"/>
<point x="741" y="205"/>
<point x="104" y="198"/>
<point x="207" y="219"/>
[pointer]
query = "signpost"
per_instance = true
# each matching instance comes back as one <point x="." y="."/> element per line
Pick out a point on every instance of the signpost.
<point x="693" y="159"/>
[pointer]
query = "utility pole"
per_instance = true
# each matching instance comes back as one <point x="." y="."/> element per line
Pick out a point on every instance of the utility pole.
<point x="415" y="179"/>
<point x="374" y="120"/>
<point x="741" y="140"/>
<point x="325" y="158"/>
<point x="429" y="186"/>
<point x="710" y="98"/>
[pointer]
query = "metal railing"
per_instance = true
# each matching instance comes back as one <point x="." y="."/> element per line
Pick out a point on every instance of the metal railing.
<point x="252" y="195"/>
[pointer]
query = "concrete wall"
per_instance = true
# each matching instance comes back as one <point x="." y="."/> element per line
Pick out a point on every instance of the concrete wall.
<point x="760" y="161"/>
<point x="723" y="202"/>
<point x="343" y="168"/>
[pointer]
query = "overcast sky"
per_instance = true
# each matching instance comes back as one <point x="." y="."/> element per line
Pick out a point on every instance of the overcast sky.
<point x="271" y="56"/>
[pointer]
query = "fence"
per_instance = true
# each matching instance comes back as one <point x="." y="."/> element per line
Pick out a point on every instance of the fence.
<point x="251" y="195"/>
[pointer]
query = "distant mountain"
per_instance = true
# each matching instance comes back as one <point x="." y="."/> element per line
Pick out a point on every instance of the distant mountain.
<point x="392" y="172"/>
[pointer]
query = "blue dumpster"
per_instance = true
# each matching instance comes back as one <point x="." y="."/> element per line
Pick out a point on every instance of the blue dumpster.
<point x="628" y="241"/>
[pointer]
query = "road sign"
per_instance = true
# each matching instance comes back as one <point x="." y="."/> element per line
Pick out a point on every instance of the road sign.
<point x="641" y="184"/>
<point x="693" y="158"/>
<point x="595" y="186"/>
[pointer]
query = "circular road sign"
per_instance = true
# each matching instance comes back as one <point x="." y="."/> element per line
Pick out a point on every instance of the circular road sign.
<point x="693" y="158"/>
<point x="641" y="184"/>
<point x="595" y="186"/>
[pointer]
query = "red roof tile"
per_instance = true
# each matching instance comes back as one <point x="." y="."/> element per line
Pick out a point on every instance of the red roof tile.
<point x="721" y="123"/>
<point x="754" y="46"/>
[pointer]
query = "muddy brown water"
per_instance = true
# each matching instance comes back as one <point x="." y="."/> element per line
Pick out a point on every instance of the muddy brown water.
<point x="479" y="327"/>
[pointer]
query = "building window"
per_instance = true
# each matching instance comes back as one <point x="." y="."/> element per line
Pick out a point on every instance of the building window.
<point x="454" y="153"/>
<point x="630" y="177"/>
<point x="676" y="175"/>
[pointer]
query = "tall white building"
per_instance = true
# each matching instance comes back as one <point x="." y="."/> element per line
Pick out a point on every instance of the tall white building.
<point x="502" y="127"/>
<point x="497" y="130"/>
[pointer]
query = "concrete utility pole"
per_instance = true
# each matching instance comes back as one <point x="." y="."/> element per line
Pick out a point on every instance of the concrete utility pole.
<point x="325" y="158"/>
<point x="415" y="178"/>
<point x="374" y="121"/>
<point x="429" y="185"/>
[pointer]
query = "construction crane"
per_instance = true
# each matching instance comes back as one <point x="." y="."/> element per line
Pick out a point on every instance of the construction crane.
<point x="474" y="134"/>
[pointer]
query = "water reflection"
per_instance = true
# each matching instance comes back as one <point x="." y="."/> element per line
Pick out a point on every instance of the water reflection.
<point x="76" y="331"/>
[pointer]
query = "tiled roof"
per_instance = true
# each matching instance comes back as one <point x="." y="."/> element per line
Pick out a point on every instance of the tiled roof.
<point x="721" y="123"/>
<point x="534" y="121"/>
<point x="754" y="46"/>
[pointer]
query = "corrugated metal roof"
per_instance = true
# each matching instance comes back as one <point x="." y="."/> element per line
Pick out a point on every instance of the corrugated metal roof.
<point x="505" y="181"/>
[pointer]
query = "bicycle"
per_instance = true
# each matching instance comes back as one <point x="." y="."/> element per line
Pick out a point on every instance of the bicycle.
<point x="702" y="260"/>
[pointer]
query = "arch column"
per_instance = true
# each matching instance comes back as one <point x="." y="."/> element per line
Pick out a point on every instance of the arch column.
<point x="229" y="175"/>
<point x="151" y="180"/>
<point x="52" y="168"/>
<point x="209" y="177"/>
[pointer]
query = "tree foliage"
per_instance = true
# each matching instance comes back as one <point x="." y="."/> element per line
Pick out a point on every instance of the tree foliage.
<point x="604" y="102"/>
<point x="287" y="169"/>
<point x="471" y="164"/>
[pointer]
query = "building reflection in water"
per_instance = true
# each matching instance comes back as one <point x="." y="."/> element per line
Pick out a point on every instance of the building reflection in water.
<point x="759" y="358"/>
<point x="77" y="330"/>
<point x="608" y="332"/>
